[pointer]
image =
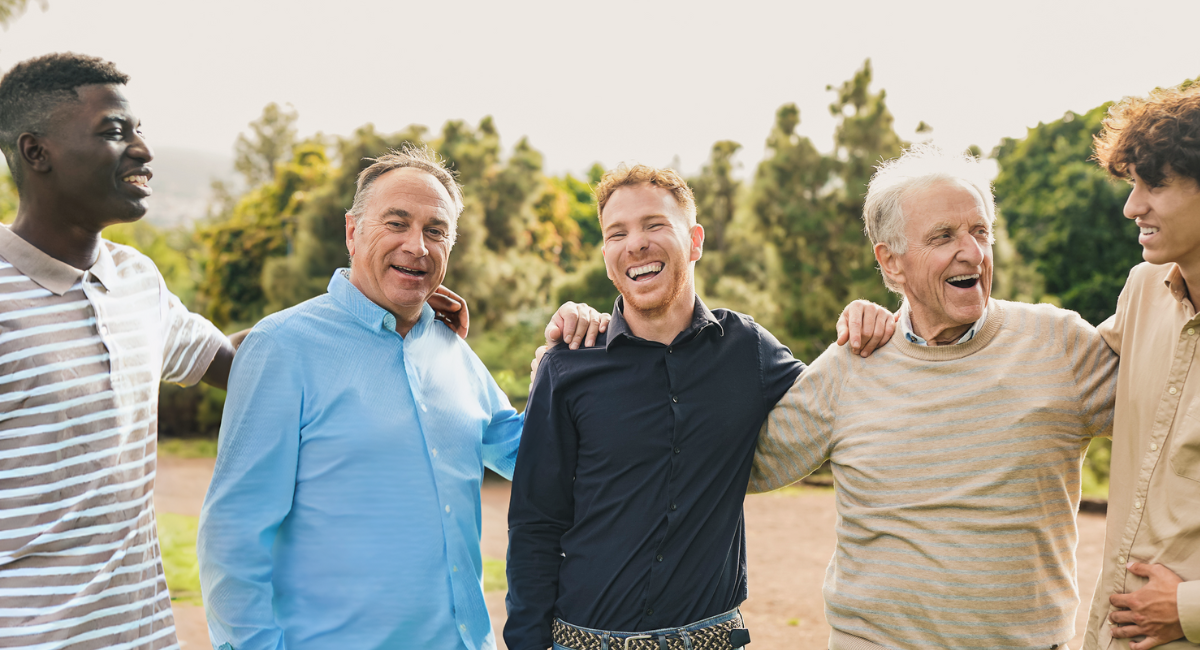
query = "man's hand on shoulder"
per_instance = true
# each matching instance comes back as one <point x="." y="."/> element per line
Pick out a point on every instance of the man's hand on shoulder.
<point x="451" y="309"/>
<point x="573" y="324"/>
<point x="866" y="326"/>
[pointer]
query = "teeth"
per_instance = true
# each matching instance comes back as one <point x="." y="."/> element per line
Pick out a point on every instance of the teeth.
<point x="653" y="267"/>
<point x="136" y="179"/>
<point x="960" y="278"/>
<point x="1149" y="230"/>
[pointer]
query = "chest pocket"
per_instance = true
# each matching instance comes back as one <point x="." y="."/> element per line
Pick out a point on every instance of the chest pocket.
<point x="1185" y="443"/>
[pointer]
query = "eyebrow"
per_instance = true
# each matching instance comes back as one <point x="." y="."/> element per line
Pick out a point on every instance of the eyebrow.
<point x="403" y="214"/>
<point x="642" y="219"/>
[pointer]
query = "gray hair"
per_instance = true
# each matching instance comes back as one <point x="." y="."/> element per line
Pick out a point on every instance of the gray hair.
<point x="921" y="166"/>
<point x="417" y="157"/>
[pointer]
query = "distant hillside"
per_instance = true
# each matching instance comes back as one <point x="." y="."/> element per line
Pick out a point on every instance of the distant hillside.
<point x="182" y="184"/>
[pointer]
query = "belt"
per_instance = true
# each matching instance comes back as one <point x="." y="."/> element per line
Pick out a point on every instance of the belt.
<point x="713" y="637"/>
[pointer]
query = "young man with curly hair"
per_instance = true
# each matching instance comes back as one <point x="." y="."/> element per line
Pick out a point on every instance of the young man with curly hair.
<point x="1149" y="591"/>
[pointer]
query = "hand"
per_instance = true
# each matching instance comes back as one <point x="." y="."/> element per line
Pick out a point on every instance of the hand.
<point x="237" y="337"/>
<point x="576" y="323"/>
<point x="1151" y="611"/>
<point x="537" y="360"/>
<point x="866" y="326"/>
<point x="451" y="309"/>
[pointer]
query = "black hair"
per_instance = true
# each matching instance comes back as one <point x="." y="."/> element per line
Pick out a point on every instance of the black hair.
<point x="33" y="89"/>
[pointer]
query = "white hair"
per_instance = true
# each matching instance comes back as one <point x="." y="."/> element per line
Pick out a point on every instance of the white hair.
<point x="921" y="166"/>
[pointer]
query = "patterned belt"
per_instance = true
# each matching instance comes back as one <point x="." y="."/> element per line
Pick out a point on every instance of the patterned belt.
<point x="713" y="637"/>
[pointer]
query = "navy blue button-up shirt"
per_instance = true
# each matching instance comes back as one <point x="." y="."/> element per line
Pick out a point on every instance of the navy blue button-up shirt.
<point x="626" y="510"/>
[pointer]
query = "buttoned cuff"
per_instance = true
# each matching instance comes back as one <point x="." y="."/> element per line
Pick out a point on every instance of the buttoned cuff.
<point x="1187" y="596"/>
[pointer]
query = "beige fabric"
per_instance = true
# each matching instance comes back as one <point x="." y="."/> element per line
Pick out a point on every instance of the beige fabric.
<point x="842" y="641"/>
<point x="1154" y="489"/>
<point x="957" y="471"/>
<point x="81" y="357"/>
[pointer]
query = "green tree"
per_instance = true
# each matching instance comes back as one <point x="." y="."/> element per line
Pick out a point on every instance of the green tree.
<point x="269" y="143"/>
<point x="10" y="10"/>
<point x="8" y="197"/>
<point x="1065" y="215"/>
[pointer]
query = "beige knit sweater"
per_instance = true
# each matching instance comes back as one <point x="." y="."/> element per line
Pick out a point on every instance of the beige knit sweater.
<point x="958" y="473"/>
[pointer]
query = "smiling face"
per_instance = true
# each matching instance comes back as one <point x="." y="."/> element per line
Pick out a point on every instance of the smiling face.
<point x="400" y="247"/>
<point x="1169" y="219"/>
<point x="650" y="248"/>
<point x="946" y="273"/>
<point x="98" y="158"/>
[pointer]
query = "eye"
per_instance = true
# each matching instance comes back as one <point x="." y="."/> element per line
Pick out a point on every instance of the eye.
<point x="113" y="134"/>
<point x="435" y="233"/>
<point x="615" y="235"/>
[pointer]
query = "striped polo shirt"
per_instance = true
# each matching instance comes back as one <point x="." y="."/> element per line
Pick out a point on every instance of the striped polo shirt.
<point x="957" y="472"/>
<point x="81" y="357"/>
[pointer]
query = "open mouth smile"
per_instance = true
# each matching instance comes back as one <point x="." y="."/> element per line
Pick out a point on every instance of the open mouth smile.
<point x="139" y="180"/>
<point x="645" y="271"/>
<point x="410" y="272"/>
<point x="964" y="281"/>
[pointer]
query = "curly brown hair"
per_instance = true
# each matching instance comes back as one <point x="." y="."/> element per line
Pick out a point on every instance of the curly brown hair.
<point x="1159" y="135"/>
<point x="668" y="179"/>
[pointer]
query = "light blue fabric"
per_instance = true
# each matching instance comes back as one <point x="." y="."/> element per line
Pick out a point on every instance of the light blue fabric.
<point x="344" y="510"/>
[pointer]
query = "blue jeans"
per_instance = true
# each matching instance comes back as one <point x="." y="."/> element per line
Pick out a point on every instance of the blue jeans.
<point x="616" y="643"/>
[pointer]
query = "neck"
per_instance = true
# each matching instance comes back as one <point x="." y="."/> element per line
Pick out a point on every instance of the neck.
<point x="662" y="325"/>
<point x="405" y="322"/>
<point x="64" y="241"/>
<point x="936" y="333"/>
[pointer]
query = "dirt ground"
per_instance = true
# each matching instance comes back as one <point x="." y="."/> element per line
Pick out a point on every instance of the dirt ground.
<point x="790" y="543"/>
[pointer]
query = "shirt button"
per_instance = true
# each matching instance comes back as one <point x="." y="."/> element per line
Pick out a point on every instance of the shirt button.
<point x="104" y="329"/>
<point x="1121" y="559"/>
<point x="456" y="568"/>
<point x="447" y="508"/>
<point x="677" y="450"/>
<point x="659" y="558"/>
<point x="676" y="399"/>
<point x="673" y="506"/>
<point x="423" y="409"/>
<point x="435" y="451"/>
<point x="649" y="612"/>
<point x="1138" y="505"/>
<point x="1154" y="446"/>
<point x="1173" y="390"/>
<point x="1191" y="331"/>
<point x="463" y="628"/>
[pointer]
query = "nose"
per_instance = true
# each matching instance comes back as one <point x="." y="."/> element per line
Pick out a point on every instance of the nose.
<point x="637" y="241"/>
<point x="139" y="149"/>
<point x="1137" y="205"/>
<point x="414" y="243"/>
<point x="970" y="250"/>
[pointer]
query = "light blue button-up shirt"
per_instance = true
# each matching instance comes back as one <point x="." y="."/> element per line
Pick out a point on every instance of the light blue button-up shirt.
<point x="344" y="510"/>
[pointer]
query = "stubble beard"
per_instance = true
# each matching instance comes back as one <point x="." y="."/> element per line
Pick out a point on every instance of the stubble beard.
<point x="652" y="308"/>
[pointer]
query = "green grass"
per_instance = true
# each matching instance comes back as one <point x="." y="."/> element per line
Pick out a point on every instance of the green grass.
<point x="177" y="537"/>
<point x="494" y="578"/>
<point x="187" y="447"/>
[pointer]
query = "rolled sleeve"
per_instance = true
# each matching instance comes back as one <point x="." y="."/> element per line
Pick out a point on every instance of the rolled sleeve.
<point x="190" y="341"/>
<point x="1188" y="598"/>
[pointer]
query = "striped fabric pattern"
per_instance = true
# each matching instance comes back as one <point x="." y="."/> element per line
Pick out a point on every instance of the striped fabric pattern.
<point x="957" y="473"/>
<point x="81" y="357"/>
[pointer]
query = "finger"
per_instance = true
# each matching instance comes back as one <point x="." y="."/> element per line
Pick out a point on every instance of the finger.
<point x="553" y="332"/>
<point x="581" y="325"/>
<point x="537" y="360"/>
<point x="1139" y="569"/>
<point x="889" y="327"/>
<point x="1121" y="617"/>
<point x="593" y="329"/>
<point x="843" y="334"/>
<point x="569" y="320"/>
<point x="1124" y="601"/>
<point x="1126" y="631"/>
<point x="1147" y="643"/>
<point x="877" y="334"/>
<point x="443" y="304"/>
<point x="604" y="319"/>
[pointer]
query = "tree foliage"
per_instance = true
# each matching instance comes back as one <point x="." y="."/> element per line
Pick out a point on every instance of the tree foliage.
<point x="268" y="144"/>
<point x="10" y="10"/>
<point x="1065" y="214"/>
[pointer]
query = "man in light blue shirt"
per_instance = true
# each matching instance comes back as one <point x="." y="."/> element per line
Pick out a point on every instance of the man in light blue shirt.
<point x="344" y="511"/>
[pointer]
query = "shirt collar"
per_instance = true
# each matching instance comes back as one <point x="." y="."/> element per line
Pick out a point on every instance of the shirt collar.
<point x="1178" y="288"/>
<point x="701" y="317"/>
<point x="370" y="314"/>
<point x="911" y="336"/>
<point x="53" y="275"/>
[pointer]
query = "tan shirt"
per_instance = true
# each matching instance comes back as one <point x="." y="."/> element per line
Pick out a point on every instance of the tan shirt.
<point x="1154" y="490"/>
<point x="81" y="357"/>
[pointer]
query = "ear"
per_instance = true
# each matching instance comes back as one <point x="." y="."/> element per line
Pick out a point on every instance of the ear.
<point x="33" y="153"/>
<point x="890" y="264"/>
<point x="697" y="236"/>
<point x="351" y="226"/>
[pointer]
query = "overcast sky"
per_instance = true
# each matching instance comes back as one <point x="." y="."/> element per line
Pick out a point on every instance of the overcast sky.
<point x="611" y="81"/>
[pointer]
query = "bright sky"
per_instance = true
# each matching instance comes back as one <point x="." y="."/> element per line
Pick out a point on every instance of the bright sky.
<point x="616" y="80"/>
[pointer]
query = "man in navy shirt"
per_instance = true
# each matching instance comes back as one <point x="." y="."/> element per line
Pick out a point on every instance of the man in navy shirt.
<point x="626" y="513"/>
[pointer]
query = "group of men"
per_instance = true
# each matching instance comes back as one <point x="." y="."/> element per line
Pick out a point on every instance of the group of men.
<point x="344" y="509"/>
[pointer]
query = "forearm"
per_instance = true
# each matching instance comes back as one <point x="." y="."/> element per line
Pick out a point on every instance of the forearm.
<point x="534" y="559"/>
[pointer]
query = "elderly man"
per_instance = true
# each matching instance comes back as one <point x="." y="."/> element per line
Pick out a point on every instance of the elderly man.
<point x="344" y="510"/>
<point x="1150" y="586"/>
<point x="956" y="449"/>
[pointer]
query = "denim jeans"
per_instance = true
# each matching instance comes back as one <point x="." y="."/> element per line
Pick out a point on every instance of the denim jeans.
<point x="616" y="642"/>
